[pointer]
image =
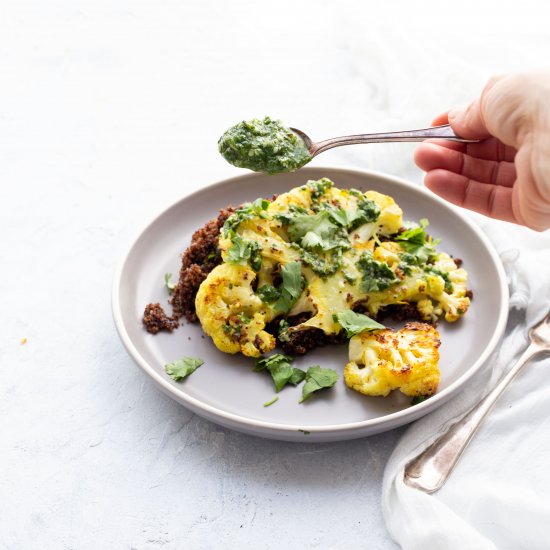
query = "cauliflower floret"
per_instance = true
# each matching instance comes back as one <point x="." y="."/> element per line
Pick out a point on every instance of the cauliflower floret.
<point x="456" y="303"/>
<point x="454" y="306"/>
<point x="391" y="215"/>
<point x="386" y="360"/>
<point x="388" y="252"/>
<point x="426" y="309"/>
<point x="231" y="314"/>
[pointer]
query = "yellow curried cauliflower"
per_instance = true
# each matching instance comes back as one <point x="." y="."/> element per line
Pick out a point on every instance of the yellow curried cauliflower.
<point x="348" y="256"/>
<point x="386" y="360"/>
<point x="424" y="288"/>
<point x="231" y="314"/>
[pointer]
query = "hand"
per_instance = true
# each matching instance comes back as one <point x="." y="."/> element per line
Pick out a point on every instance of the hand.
<point x="507" y="175"/>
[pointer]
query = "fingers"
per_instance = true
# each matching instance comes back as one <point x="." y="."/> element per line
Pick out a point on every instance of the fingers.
<point x="490" y="200"/>
<point x="441" y="119"/>
<point x="432" y="156"/>
<point x="491" y="149"/>
<point x="469" y="121"/>
<point x="488" y="149"/>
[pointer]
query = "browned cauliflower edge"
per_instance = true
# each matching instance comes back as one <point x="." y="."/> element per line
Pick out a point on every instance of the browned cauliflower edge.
<point x="384" y="360"/>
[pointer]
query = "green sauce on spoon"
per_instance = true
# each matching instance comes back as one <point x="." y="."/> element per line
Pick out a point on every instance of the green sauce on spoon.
<point x="264" y="146"/>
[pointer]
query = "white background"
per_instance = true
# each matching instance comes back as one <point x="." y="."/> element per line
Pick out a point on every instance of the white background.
<point x="109" y="112"/>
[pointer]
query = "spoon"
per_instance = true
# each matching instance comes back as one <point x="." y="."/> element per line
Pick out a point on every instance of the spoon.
<point x="440" y="132"/>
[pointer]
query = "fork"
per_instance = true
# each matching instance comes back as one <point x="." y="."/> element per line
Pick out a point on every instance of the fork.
<point x="430" y="470"/>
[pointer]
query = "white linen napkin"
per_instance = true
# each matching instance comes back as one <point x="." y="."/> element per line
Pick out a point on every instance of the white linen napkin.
<point x="499" y="493"/>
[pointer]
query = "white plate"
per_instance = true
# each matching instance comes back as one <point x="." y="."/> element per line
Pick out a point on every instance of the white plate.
<point x="227" y="391"/>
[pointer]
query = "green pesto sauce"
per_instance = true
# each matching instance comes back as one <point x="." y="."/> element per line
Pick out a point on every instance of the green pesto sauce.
<point x="264" y="146"/>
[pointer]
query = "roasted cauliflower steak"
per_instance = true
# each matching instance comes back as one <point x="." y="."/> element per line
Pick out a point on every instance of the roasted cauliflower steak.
<point x="347" y="249"/>
<point x="381" y="361"/>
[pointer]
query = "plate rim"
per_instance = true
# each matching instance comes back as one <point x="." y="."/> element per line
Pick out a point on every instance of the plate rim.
<point x="261" y="427"/>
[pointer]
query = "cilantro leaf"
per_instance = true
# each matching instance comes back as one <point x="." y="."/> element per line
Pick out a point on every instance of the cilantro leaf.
<point x="242" y="251"/>
<point x="298" y="376"/>
<point x="367" y="211"/>
<point x="183" y="367"/>
<point x="376" y="275"/>
<point x="281" y="370"/>
<point x="415" y="241"/>
<point x="355" y="323"/>
<point x="293" y="209"/>
<point x="327" y="233"/>
<point x="340" y="216"/>
<point x="169" y="285"/>
<point x="312" y="241"/>
<point x="317" y="379"/>
<point x="291" y="287"/>
<point x="247" y="211"/>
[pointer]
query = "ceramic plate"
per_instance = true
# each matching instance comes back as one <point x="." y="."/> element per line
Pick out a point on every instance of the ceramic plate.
<point x="227" y="391"/>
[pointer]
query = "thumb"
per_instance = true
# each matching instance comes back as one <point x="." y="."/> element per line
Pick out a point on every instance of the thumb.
<point x="467" y="121"/>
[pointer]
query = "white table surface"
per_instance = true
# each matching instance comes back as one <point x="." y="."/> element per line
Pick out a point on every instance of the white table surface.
<point x="109" y="112"/>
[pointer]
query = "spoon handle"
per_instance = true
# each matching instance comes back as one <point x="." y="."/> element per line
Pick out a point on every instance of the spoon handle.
<point x="441" y="132"/>
<point x="429" y="470"/>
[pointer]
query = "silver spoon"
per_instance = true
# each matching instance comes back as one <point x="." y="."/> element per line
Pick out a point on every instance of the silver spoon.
<point x="441" y="132"/>
<point x="431" y="468"/>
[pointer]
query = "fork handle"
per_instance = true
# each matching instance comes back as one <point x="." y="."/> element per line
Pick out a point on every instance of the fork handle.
<point x="441" y="132"/>
<point x="430" y="469"/>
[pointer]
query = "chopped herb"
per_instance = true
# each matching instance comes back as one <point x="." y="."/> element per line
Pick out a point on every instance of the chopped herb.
<point x="243" y="251"/>
<point x="376" y="275"/>
<point x="418" y="399"/>
<point x="444" y="275"/>
<point x="248" y="211"/>
<point x="235" y="326"/>
<point x="319" y="188"/>
<point x="291" y="287"/>
<point x="408" y="261"/>
<point x="271" y="401"/>
<point x="286" y="217"/>
<point x="367" y="211"/>
<point x="264" y="146"/>
<point x="415" y="241"/>
<point x="169" y="285"/>
<point x="355" y="323"/>
<point x="317" y="379"/>
<point x="281" y="370"/>
<point x="268" y="294"/>
<point x="338" y="215"/>
<point x="183" y="367"/>
<point x="312" y="241"/>
<point x="305" y="432"/>
<point x="317" y="232"/>
<point x="298" y="376"/>
<point x="282" y="334"/>
<point x="325" y="265"/>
